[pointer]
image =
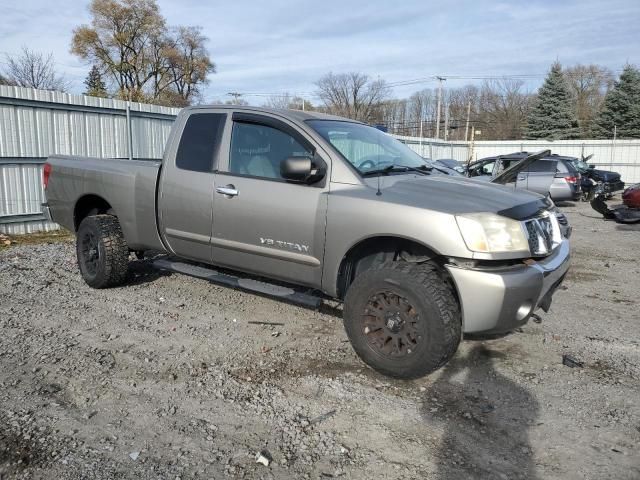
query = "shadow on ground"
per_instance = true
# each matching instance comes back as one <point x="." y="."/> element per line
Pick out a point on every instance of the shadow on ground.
<point x="486" y="418"/>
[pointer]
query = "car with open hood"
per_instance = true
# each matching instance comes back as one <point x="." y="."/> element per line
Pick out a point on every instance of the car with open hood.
<point x="551" y="175"/>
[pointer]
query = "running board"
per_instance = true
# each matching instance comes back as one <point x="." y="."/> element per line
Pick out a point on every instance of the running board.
<point x="227" y="280"/>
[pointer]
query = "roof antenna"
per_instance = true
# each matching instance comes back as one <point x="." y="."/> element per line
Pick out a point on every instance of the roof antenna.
<point x="378" y="193"/>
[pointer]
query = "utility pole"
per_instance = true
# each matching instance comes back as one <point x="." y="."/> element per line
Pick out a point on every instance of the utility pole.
<point x="466" y="127"/>
<point x="473" y="131"/>
<point x="421" y="122"/>
<point x="235" y="95"/>
<point x="613" y="143"/>
<point x="440" y="79"/>
<point x="446" y="122"/>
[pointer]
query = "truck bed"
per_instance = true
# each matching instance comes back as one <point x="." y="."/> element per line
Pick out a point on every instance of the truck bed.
<point x="128" y="186"/>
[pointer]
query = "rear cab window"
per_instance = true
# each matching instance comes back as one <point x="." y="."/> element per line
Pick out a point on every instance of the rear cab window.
<point x="200" y="142"/>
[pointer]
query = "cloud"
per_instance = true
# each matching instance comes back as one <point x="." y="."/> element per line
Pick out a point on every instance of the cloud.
<point x="278" y="45"/>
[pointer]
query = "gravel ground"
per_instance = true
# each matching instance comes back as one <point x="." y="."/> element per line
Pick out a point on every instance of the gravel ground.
<point x="165" y="378"/>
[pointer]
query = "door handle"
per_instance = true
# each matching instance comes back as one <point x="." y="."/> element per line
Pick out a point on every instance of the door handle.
<point x="228" y="190"/>
<point x="522" y="177"/>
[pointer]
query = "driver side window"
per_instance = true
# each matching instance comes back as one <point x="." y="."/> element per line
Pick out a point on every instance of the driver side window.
<point x="257" y="150"/>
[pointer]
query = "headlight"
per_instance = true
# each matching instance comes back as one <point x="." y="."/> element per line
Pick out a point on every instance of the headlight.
<point x="491" y="233"/>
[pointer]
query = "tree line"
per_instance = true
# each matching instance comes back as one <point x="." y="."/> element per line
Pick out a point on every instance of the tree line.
<point x="582" y="101"/>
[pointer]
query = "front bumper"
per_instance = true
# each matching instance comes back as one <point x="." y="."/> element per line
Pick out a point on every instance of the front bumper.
<point x="614" y="186"/>
<point x="499" y="300"/>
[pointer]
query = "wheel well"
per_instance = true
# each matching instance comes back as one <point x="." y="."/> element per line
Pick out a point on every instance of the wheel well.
<point x="89" y="205"/>
<point x="376" y="250"/>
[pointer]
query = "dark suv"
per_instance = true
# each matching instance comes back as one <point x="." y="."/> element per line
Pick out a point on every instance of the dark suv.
<point x="554" y="175"/>
<point x="591" y="177"/>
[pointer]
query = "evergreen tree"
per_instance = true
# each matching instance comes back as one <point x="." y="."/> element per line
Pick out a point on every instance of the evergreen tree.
<point x="552" y="116"/>
<point x="621" y="107"/>
<point x="95" y="86"/>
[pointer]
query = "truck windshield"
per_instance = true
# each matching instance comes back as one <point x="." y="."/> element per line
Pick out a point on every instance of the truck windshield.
<point x="368" y="149"/>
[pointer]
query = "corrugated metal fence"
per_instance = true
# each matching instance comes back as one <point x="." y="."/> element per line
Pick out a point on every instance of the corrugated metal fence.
<point x="37" y="123"/>
<point x="622" y="156"/>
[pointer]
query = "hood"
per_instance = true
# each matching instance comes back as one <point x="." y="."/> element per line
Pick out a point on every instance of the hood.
<point x="510" y="174"/>
<point x="603" y="175"/>
<point x="457" y="195"/>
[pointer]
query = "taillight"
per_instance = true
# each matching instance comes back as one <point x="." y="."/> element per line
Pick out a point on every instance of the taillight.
<point x="46" y="171"/>
<point x="572" y="179"/>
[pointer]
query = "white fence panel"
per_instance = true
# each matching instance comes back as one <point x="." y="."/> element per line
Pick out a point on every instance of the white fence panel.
<point x="35" y="124"/>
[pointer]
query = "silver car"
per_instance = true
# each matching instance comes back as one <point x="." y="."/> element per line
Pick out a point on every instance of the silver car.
<point x="547" y="176"/>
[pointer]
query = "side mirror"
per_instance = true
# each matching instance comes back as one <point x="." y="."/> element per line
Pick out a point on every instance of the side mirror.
<point x="301" y="170"/>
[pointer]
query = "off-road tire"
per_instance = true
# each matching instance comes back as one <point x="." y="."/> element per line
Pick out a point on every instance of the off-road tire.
<point x="105" y="264"/>
<point x="434" y="306"/>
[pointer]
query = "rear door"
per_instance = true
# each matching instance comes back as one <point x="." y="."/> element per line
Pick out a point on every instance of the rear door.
<point x="262" y="223"/>
<point x="185" y="197"/>
<point x="540" y="175"/>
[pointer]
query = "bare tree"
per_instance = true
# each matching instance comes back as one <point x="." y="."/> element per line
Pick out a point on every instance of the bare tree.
<point x="461" y="101"/>
<point x="34" y="70"/>
<point x="144" y="59"/>
<point x="288" y="101"/>
<point x="118" y="41"/>
<point x="393" y="115"/>
<point x="189" y="62"/>
<point x="352" y="95"/>
<point x="588" y="85"/>
<point x="421" y="110"/>
<point x="502" y="109"/>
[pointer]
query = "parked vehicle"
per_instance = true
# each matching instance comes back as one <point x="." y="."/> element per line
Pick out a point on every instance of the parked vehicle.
<point x="553" y="175"/>
<point x="456" y="165"/>
<point x="628" y="212"/>
<point x="441" y="167"/>
<point x="591" y="177"/>
<point x="319" y="202"/>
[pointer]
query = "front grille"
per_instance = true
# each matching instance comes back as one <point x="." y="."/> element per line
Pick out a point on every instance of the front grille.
<point x="540" y="234"/>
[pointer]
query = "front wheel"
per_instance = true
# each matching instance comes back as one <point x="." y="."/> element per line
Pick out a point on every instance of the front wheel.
<point x="103" y="255"/>
<point x="402" y="319"/>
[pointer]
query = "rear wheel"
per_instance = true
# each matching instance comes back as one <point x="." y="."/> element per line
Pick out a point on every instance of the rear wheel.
<point x="102" y="251"/>
<point x="402" y="319"/>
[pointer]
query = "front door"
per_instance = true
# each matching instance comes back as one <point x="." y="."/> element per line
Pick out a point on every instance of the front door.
<point x="262" y="223"/>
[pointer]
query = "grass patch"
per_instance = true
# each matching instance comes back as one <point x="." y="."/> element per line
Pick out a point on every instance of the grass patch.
<point x="8" y="241"/>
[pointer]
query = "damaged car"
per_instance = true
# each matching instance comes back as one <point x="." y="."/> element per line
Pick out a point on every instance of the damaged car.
<point x="628" y="212"/>
<point x="551" y="175"/>
<point x="610" y="182"/>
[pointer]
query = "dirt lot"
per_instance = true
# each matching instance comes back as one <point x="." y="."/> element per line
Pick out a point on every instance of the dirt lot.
<point x="165" y="378"/>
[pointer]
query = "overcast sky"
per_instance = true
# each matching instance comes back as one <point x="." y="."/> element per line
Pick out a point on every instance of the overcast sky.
<point x="285" y="46"/>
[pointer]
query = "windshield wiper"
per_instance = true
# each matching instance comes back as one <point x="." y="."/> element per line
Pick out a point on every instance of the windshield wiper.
<point x="424" y="170"/>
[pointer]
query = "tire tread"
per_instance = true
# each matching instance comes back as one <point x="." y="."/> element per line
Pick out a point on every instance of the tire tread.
<point x="440" y="293"/>
<point x="116" y="251"/>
